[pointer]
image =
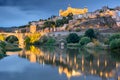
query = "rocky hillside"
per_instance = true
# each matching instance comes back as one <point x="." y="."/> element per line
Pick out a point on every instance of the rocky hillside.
<point x="99" y="22"/>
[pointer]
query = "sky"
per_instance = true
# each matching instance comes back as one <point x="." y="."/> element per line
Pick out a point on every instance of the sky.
<point x="20" y="12"/>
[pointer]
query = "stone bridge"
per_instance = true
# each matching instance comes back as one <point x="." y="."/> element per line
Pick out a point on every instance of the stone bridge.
<point x="20" y="36"/>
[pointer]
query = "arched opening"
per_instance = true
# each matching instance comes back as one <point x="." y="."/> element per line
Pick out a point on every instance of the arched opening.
<point x="12" y="39"/>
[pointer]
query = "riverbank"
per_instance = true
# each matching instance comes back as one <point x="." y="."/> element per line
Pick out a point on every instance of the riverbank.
<point x="4" y="46"/>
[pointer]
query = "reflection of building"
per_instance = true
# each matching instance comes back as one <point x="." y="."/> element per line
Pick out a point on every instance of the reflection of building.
<point x="74" y="11"/>
<point x="69" y="73"/>
<point x="74" y="65"/>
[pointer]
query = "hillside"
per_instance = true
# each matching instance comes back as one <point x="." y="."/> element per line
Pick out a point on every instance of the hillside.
<point x="99" y="22"/>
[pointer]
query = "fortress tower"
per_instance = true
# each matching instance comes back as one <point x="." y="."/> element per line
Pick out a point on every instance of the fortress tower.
<point x="74" y="11"/>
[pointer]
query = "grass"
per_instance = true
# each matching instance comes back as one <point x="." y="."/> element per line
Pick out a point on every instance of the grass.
<point x="73" y="45"/>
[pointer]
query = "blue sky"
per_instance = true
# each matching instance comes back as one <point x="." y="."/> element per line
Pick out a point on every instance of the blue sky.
<point x="20" y="12"/>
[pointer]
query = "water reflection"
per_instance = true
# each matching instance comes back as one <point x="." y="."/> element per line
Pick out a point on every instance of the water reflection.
<point x="74" y="62"/>
<point x="2" y="56"/>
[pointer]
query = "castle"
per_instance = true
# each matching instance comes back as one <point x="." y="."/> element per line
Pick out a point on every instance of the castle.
<point x="74" y="11"/>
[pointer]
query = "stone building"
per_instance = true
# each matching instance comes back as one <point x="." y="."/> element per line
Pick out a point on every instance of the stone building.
<point x="74" y="11"/>
<point x="32" y="28"/>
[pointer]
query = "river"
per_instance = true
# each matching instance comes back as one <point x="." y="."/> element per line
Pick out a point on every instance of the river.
<point x="53" y="63"/>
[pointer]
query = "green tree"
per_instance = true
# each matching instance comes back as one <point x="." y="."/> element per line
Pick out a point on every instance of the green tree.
<point x="50" y="41"/>
<point x="70" y="16"/>
<point x="90" y="33"/>
<point x="27" y="40"/>
<point x="59" y="23"/>
<point x="49" y="24"/>
<point x="115" y="44"/>
<point x="84" y="40"/>
<point x="65" y="20"/>
<point x="114" y="36"/>
<point x="72" y="38"/>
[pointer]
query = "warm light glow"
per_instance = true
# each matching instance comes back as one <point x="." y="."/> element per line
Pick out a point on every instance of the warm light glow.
<point x="54" y="57"/>
<point x="74" y="11"/>
<point x="106" y="74"/>
<point x="82" y="68"/>
<point x="105" y="63"/>
<point x="74" y="59"/>
<point x="118" y="77"/>
<point x="98" y="62"/>
<point x="32" y="28"/>
<point x="90" y="63"/>
<point x="82" y="60"/>
<point x="32" y="58"/>
<point x="117" y="65"/>
<point x="92" y="71"/>
<point x="61" y="58"/>
<point x="60" y="69"/>
<point x="75" y="73"/>
<point x="67" y="58"/>
<point x="101" y="73"/>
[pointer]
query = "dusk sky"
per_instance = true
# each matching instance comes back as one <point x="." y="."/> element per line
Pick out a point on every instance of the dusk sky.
<point x="20" y="12"/>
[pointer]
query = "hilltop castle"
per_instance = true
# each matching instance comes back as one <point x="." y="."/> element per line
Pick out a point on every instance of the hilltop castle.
<point x="74" y="11"/>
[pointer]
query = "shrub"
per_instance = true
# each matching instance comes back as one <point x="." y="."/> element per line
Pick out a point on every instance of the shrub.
<point x="84" y="41"/>
<point x="115" y="44"/>
<point x="77" y="29"/>
<point x="43" y="39"/>
<point x="50" y="41"/>
<point x="73" y="45"/>
<point x="27" y="40"/>
<point x="2" y="47"/>
<point x="2" y="38"/>
<point x="114" y="36"/>
<point x="72" y="38"/>
<point x="81" y="36"/>
<point x="2" y="44"/>
<point x="33" y="38"/>
<point x="96" y="42"/>
<point x="90" y="33"/>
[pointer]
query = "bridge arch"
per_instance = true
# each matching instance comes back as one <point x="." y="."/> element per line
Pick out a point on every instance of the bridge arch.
<point x="12" y="39"/>
<point x="21" y="36"/>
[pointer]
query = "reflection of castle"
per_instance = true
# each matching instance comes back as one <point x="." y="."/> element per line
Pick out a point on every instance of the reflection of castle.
<point x="74" y="65"/>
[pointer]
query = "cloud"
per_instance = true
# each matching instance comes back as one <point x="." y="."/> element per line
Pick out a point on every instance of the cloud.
<point x="11" y="16"/>
<point x="19" y="12"/>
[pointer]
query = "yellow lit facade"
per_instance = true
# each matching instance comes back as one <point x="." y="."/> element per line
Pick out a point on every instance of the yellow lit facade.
<point x="74" y="11"/>
<point x="32" y="28"/>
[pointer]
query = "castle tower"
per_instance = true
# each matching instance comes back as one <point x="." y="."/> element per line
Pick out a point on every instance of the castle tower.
<point x="69" y="5"/>
<point x="74" y="11"/>
<point x="32" y="28"/>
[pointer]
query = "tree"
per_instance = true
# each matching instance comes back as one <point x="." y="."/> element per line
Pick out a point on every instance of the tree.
<point x="70" y="16"/>
<point x="90" y="33"/>
<point x="27" y="40"/>
<point x="115" y="44"/>
<point x="59" y="23"/>
<point x="72" y="38"/>
<point x="49" y="24"/>
<point x="65" y="20"/>
<point x="114" y="36"/>
<point x="84" y="40"/>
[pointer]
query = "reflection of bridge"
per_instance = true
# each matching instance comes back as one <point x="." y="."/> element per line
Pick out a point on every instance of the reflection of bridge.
<point x="20" y="36"/>
<point x="75" y="65"/>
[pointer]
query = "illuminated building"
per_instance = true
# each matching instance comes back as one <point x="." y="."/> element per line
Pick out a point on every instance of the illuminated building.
<point x="74" y="11"/>
<point x="32" y="28"/>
